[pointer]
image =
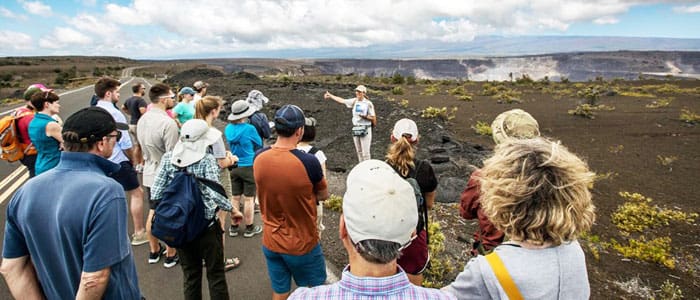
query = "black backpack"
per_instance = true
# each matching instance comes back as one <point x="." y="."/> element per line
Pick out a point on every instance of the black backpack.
<point x="179" y="217"/>
<point x="422" y="205"/>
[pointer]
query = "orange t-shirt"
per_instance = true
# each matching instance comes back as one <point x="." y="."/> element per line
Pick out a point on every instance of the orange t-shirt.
<point x="287" y="181"/>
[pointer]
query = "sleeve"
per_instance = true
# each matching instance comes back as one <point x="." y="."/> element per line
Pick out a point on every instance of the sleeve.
<point x="469" y="284"/>
<point x="426" y="177"/>
<point x="254" y="137"/>
<point x="161" y="179"/>
<point x="219" y="150"/>
<point x="107" y="241"/>
<point x="125" y="141"/>
<point x="14" y="244"/>
<point x="211" y="172"/>
<point x="349" y="102"/>
<point x="178" y="108"/>
<point x="321" y="157"/>
<point x="142" y="103"/>
<point x="371" y="109"/>
<point x="171" y="135"/>
<point x="469" y="200"/>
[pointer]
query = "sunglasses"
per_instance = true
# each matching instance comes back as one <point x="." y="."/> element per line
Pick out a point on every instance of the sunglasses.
<point x="118" y="135"/>
<point x="168" y="96"/>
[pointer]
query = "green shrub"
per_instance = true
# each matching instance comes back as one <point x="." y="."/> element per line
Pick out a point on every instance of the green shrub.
<point x="430" y="90"/>
<point x="397" y="79"/>
<point x="637" y="215"/>
<point x="588" y="111"/>
<point x="465" y="98"/>
<point x="664" y="102"/>
<point x="397" y="90"/>
<point x="403" y="103"/>
<point x="482" y="128"/>
<point x="689" y="116"/>
<point x="440" y="265"/>
<point x="670" y="291"/>
<point x="442" y="113"/>
<point x="334" y="202"/>
<point x="657" y="250"/>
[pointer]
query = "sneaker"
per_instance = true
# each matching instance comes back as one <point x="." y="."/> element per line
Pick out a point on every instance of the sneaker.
<point x="154" y="257"/>
<point x="252" y="230"/>
<point x="139" y="238"/>
<point x="233" y="231"/>
<point x="171" y="261"/>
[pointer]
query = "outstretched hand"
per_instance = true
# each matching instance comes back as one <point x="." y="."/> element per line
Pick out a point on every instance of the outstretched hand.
<point x="327" y="95"/>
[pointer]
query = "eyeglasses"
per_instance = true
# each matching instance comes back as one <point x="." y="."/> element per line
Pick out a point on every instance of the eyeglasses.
<point x="168" y="96"/>
<point x="118" y="135"/>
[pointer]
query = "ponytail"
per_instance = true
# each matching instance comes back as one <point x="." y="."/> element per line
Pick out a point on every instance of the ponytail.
<point x="400" y="155"/>
<point x="206" y="105"/>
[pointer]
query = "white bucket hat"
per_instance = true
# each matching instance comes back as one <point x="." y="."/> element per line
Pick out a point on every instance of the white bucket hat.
<point x="195" y="137"/>
<point x="256" y="99"/>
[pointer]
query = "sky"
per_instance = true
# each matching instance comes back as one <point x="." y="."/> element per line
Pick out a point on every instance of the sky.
<point x="248" y="28"/>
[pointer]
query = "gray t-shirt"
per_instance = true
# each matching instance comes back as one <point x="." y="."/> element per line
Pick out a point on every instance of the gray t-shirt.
<point x="551" y="273"/>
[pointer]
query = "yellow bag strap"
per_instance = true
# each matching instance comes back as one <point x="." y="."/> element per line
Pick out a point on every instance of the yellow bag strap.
<point x="503" y="276"/>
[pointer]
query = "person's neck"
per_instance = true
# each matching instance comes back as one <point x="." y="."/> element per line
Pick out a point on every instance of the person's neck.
<point x="160" y="106"/>
<point x="209" y="120"/>
<point x="362" y="268"/>
<point x="286" y="142"/>
<point x="303" y="143"/>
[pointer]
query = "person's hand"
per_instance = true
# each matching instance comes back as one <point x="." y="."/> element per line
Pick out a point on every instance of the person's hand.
<point x="327" y="95"/>
<point x="236" y="217"/>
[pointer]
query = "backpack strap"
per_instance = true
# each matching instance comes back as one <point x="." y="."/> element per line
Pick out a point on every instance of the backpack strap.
<point x="424" y="207"/>
<point x="313" y="150"/>
<point x="507" y="283"/>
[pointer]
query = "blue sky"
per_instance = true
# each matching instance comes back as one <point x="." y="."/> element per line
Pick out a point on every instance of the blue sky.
<point x="172" y="29"/>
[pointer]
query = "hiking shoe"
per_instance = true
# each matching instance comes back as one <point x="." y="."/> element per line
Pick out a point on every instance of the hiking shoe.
<point x="252" y="230"/>
<point x="154" y="257"/>
<point x="171" y="261"/>
<point x="139" y="238"/>
<point x="233" y="231"/>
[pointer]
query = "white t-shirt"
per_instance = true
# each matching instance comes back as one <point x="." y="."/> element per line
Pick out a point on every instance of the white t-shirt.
<point x="360" y="108"/>
<point x="319" y="154"/>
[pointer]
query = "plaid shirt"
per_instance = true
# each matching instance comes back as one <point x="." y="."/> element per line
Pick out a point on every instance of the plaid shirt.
<point x="205" y="168"/>
<point x="350" y="286"/>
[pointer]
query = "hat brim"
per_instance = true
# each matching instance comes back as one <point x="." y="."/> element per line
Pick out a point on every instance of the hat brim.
<point x="122" y="126"/>
<point x="186" y="153"/>
<point x="245" y="114"/>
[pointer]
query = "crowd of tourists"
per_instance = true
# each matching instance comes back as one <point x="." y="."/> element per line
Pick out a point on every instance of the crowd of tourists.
<point x="531" y="200"/>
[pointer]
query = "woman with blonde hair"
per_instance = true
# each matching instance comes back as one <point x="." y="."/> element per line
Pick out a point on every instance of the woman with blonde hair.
<point x="208" y="109"/>
<point x="402" y="157"/>
<point x="536" y="192"/>
<point x="364" y="119"/>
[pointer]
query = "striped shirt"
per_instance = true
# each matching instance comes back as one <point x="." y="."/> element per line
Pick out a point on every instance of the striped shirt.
<point x="350" y="286"/>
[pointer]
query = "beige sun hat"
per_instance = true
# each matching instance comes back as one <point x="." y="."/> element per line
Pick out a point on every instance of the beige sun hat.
<point x="515" y="123"/>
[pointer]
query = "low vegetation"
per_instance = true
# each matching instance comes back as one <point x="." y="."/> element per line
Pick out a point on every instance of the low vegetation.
<point x="589" y="111"/>
<point x="659" y="103"/>
<point x="637" y="214"/>
<point x="657" y="250"/>
<point x="440" y="265"/>
<point x="334" y="202"/>
<point x="441" y="113"/>
<point x="482" y="128"/>
<point x="689" y="116"/>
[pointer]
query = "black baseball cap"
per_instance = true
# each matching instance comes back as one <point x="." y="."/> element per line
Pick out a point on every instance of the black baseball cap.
<point x="92" y="124"/>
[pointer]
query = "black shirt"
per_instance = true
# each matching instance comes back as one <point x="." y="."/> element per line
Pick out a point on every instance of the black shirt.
<point x="133" y="104"/>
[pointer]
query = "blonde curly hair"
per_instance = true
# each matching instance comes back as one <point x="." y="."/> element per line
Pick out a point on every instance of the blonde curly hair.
<point x="535" y="190"/>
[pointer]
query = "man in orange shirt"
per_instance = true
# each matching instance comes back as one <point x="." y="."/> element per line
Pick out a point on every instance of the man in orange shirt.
<point x="288" y="206"/>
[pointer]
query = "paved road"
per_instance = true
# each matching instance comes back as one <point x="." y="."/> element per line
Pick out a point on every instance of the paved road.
<point x="249" y="281"/>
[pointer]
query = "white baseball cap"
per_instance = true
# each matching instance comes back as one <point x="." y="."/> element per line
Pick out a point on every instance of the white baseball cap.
<point x="405" y="126"/>
<point x="379" y="204"/>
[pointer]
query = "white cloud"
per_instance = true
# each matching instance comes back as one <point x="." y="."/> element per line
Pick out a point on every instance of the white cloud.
<point x="6" y="13"/>
<point x="36" y="8"/>
<point x="15" y="40"/>
<point x="91" y="24"/>
<point x="607" y="20"/>
<point x="687" y="9"/>
<point x="62" y="37"/>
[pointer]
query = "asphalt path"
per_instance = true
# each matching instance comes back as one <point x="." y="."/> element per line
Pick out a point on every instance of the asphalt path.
<point x="248" y="281"/>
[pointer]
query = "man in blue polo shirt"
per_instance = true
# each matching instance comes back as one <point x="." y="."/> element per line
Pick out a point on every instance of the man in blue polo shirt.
<point x="65" y="234"/>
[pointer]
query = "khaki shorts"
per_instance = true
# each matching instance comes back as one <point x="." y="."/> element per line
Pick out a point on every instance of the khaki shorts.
<point x="225" y="177"/>
<point x="243" y="182"/>
<point x="132" y="134"/>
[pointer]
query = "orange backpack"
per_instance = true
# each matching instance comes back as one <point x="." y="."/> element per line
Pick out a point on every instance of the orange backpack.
<point x="12" y="148"/>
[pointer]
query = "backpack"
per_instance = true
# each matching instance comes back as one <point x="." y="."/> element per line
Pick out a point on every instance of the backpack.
<point x="313" y="150"/>
<point x="262" y="125"/>
<point x="422" y="205"/>
<point x="179" y="217"/>
<point x="12" y="148"/>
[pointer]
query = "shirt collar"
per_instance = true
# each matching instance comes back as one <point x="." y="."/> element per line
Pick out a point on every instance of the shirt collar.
<point x="388" y="285"/>
<point x="84" y="160"/>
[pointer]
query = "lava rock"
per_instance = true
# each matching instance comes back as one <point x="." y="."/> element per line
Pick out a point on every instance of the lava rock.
<point x="438" y="159"/>
<point x="449" y="189"/>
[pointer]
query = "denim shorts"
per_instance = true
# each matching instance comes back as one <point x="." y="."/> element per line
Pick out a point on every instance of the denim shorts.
<point x="308" y="270"/>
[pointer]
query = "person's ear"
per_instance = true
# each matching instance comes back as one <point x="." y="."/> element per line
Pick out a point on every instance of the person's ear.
<point x="342" y="230"/>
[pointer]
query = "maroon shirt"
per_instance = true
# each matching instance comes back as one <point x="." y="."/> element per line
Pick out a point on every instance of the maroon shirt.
<point x="470" y="208"/>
